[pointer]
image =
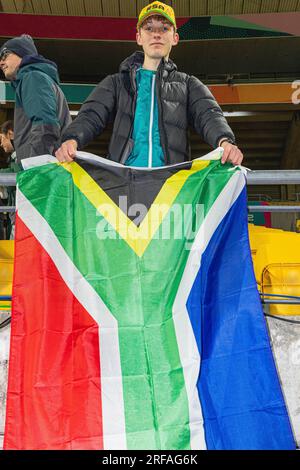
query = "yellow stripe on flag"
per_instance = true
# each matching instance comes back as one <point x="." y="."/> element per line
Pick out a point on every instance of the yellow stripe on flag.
<point x="138" y="238"/>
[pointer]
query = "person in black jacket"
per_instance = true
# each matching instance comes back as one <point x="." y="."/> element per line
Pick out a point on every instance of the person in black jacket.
<point x="151" y="104"/>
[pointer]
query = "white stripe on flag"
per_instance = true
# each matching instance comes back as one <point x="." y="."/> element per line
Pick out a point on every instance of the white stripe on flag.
<point x="114" y="434"/>
<point x="40" y="160"/>
<point x="188" y="350"/>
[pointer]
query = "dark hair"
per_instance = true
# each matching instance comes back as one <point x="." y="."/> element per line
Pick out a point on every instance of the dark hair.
<point x="157" y="17"/>
<point x="6" y="126"/>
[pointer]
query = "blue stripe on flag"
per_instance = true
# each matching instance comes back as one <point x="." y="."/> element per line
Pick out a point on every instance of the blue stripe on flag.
<point x="241" y="398"/>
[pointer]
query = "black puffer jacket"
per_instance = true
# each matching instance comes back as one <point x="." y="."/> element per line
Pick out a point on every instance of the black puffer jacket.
<point x="183" y="101"/>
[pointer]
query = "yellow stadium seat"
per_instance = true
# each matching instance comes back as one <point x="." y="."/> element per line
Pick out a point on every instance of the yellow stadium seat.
<point x="276" y="259"/>
<point x="6" y="268"/>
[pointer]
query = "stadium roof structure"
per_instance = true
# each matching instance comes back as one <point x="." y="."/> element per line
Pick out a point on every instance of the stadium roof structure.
<point x="130" y="8"/>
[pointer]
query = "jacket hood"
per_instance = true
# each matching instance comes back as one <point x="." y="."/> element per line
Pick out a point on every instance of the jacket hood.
<point x="136" y="60"/>
<point x="37" y="63"/>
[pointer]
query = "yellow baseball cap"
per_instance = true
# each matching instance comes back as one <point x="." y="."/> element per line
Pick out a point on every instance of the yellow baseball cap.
<point x="157" y="8"/>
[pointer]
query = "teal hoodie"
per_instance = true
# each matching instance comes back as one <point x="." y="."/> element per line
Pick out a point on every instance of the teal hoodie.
<point x="147" y="150"/>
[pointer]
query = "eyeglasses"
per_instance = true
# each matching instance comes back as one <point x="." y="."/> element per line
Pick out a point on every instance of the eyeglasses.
<point x="4" y="55"/>
<point x="163" y="29"/>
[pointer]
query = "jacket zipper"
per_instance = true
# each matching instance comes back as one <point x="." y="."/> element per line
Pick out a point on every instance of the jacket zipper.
<point x="150" y="153"/>
<point x="163" y="137"/>
<point x="133" y="84"/>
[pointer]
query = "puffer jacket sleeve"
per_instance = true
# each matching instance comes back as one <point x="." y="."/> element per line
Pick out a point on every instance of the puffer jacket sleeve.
<point x="40" y="107"/>
<point x="95" y="113"/>
<point x="205" y="115"/>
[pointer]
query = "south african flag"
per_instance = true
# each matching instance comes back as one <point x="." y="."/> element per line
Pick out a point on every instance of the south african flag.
<point x="137" y="323"/>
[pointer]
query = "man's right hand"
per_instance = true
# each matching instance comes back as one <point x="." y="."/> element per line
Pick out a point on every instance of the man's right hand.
<point x="67" y="151"/>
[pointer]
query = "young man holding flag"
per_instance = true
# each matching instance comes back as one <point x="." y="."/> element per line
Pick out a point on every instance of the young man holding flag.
<point x="151" y="104"/>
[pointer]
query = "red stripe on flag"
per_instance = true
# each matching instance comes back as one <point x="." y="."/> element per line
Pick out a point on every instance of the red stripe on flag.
<point x="54" y="390"/>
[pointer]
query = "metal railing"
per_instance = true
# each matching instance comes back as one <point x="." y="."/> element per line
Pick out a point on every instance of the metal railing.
<point x="269" y="177"/>
<point x="8" y="179"/>
<point x="281" y="299"/>
<point x="276" y="299"/>
<point x="7" y="208"/>
<point x="259" y="177"/>
<point x="273" y="208"/>
<point x="255" y="177"/>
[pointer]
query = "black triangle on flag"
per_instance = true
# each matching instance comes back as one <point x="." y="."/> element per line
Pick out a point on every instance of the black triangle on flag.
<point x="133" y="190"/>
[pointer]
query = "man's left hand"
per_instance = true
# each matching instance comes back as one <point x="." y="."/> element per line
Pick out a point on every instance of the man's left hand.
<point x="231" y="154"/>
